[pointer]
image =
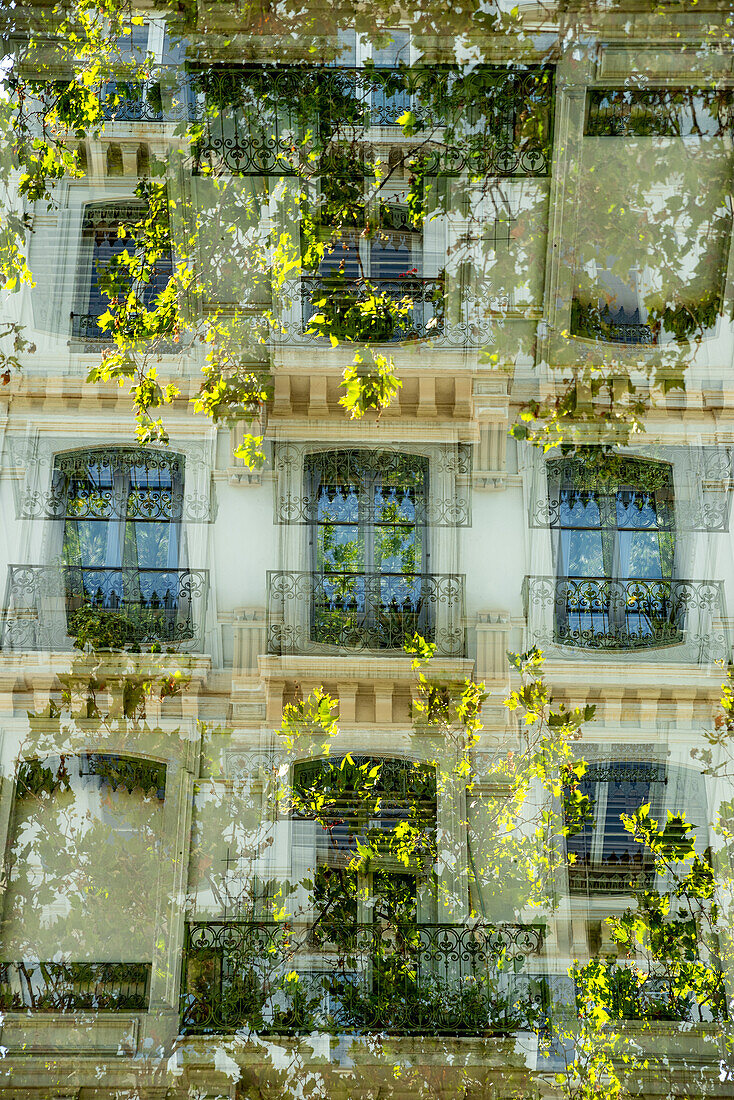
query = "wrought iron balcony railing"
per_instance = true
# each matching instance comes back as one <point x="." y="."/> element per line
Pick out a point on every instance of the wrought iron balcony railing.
<point x="337" y="300"/>
<point x="627" y="613"/>
<point x="86" y="332"/>
<point x="133" y="101"/>
<point x="49" y="606"/>
<point x="634" y="994"/>
<point x="490" y="121"/>
<point x="158" y="93"/>
<point x="84" y="327"/>
<point x="343" y="611"/>
<point x="399" y="979"/>
<point x="618" y="327"/>
<point x="74" y="986"/>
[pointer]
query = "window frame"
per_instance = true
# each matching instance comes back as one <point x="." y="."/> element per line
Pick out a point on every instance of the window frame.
<point x="366" y="526"/>
<point x="100" y="216"/>
<point x="116" y="489"/>
<point x="616" y="597"/>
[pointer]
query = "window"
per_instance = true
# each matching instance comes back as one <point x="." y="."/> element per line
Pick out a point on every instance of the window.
<point x="390" y="262"/>
<point x="394" y="885"/>
<point x="84" y="854"/>
<point x="122" y="543"/>
<point x="99" y="246"/>
<point x="370" y="552"/>
<point x="615" y="550"/>
<point x="617" y="313"/>
<point x="606" y="859"/>
<point x="128" y="98"/>
<point x="404" y="791"/>
<point x="377" y="75"/>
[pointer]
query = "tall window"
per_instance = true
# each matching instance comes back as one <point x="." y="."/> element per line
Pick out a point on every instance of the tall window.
<point x="100" y="245"/>
<point x="121" y="540"/>
<point x="388" y="262"/>
<point x="79" y="911"/>
<point x="615" y="550"/>
<point x="369" y="547"/>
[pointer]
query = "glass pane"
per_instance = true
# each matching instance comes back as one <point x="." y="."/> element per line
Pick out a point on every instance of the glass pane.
<point x="624" y="796"/>
<point x="342" y="258"/>
<point x="88" y="542"/>
<point x="340" y="547"/>
<point x="637" y="509"/>
<point x="640" y="555"/>
<point x="579" y="844"/>
<point x="150" y="544"/>
<point x="337" y="503"/>
<point x="90" y="493"/>
<point x="398" y="550"/>
<point x="394" y="258"/>
<point x="582" y="554"/>
<point x="395" y="504"/>
<point x="579" y="509"/>
<point x="105" y="245"/>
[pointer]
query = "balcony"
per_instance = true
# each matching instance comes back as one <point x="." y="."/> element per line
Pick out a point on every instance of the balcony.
<point x="490" y="121"/>
<point x="88" y="338"/>
<point x="137" y="101"/>
<point x="116" y="608"/>
<point x="74" y="986"/>
<point x="599" y="613"/>
<point x="312" y="613"/>
<point x="404" y="979"/>
<point x="612" y="327"/>
<point x="413" y="310"/>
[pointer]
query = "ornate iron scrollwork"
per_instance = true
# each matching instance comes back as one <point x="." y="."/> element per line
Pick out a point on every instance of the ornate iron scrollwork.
<point x="601" y="613"/>
<point x="74" y="986"/>
<point x="401" y="979"/>
<point x="254" y="112"/>
<point x="347" y="611"/>
<point x="129" y="608"/>
<point x="85" y="485"/>
<point x="659" y="112"/>
<point x="620" y="327"/>
<point x="449" y="465"/>
<point x="337" y="299"/>
<point x="652" y="497"/>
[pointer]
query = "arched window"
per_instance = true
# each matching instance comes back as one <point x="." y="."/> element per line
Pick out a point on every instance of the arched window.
<point x="354" y="814"/>
<point x="606" y="859"/>
<point x="615" y="552"/>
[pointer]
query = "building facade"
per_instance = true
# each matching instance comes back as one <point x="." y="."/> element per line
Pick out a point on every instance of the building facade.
<point x="175" y="918"/>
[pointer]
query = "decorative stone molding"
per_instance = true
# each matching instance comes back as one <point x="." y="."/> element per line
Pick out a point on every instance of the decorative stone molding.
<point x="490" y="469"/>
<point x="425" y="395"/>
<point x="371" y="691"/>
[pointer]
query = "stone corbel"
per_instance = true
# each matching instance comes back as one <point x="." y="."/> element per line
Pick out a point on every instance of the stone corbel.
<point x="239" y="473"/>
<point x="493" y="637"/>
<point x="249" y="634"/>
<point x="490" y="465"/>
